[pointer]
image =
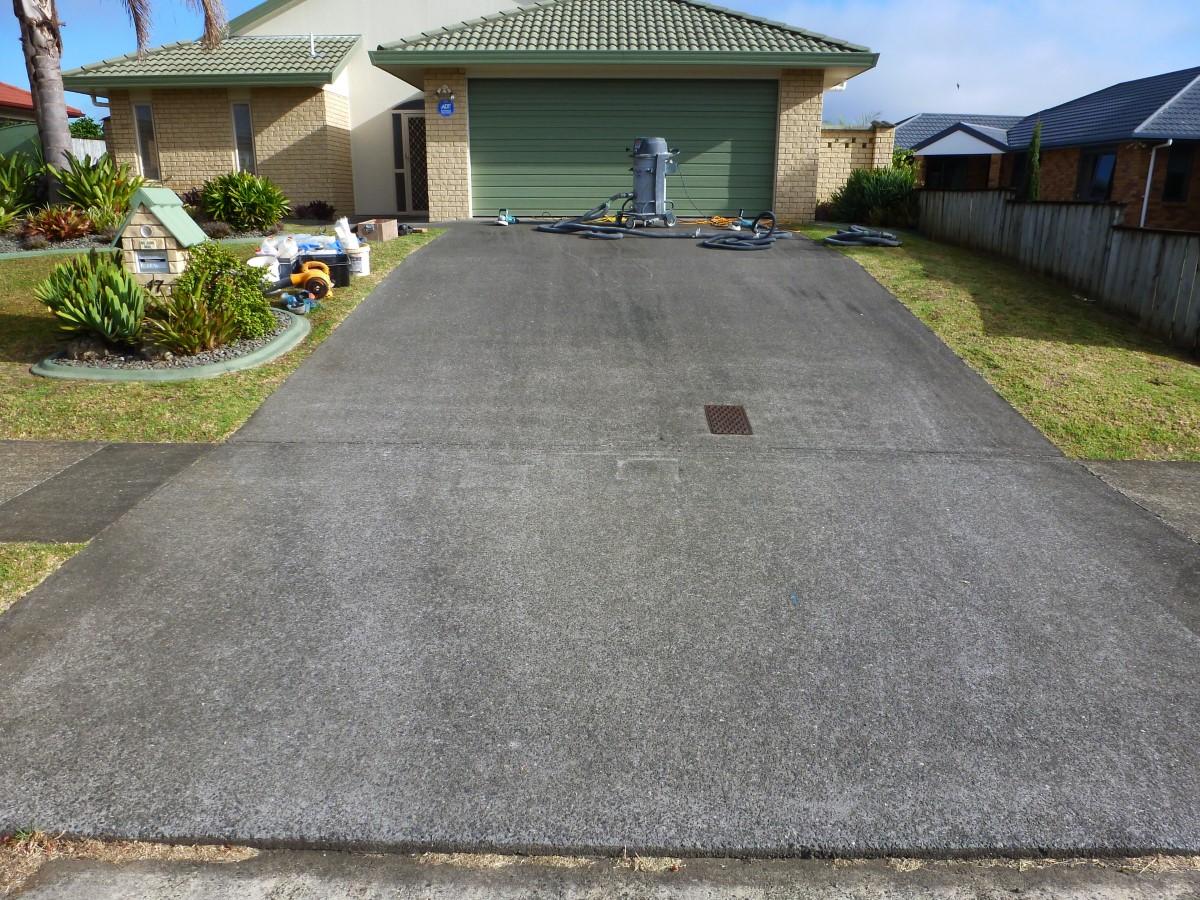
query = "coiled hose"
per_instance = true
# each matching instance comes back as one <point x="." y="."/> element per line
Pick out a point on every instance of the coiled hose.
<point x="857" y="236"/>
<point x="761" y="236"/>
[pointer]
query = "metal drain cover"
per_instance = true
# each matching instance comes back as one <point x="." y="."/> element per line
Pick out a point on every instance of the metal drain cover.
<point x="727" y="419"/>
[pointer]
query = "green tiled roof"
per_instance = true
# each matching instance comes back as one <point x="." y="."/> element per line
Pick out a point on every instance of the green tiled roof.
<point x="624" y="26"/>
<point x="166" y="206"/>
<point x="287" y="59"/>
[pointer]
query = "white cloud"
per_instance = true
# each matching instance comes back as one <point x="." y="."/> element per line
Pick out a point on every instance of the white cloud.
<point x="985" y="56"/>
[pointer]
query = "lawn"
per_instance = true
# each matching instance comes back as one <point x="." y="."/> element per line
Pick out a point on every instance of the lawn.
<point x="35" y="408"/>
<point x="1094" y="384"/>
<point x="24" y="566"/>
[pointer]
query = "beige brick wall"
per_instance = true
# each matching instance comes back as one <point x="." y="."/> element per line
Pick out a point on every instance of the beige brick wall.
<point x="845" y="149"/>
<point x="798" y="151"/>
<point x="447" y="150"/>
<point x="301" y="139"/>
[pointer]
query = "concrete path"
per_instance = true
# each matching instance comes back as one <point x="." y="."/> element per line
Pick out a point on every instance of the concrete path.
<point x="343" y="876"/>
<point x="69" y="492"/>
<point x="477" y="576"/>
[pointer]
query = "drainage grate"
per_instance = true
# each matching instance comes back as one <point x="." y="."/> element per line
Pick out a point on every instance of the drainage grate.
<point x="727" y="420"/>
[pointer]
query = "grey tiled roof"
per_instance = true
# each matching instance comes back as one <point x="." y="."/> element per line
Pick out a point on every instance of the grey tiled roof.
<point x="923" y="126"/>
<point x="235" y="58"/>
<point x="1161" y="106"/>
<point x="625" y="25"/>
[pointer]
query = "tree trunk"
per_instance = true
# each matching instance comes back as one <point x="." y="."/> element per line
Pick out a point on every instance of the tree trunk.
<point x="41" y="40"/>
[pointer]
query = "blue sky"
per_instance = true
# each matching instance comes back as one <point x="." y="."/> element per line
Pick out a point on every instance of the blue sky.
<point x="979" y="56"/>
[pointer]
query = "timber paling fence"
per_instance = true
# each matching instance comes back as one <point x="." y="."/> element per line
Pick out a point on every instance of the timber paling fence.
<point x="1149" y="275"/>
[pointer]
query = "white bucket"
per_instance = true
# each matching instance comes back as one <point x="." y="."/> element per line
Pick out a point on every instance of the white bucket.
<point x="269" y="265"/>
<point x="360" y="260"/>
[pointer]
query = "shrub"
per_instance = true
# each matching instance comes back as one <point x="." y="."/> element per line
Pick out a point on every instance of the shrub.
<point x="86" y="127"/>
<point x="95" y="295"/>
<point x="8" y="218"/>
<point x="19" y="176"/>
<point x="216" y="230"/>
<point x="58" y="223"/>
<point x="316" y="209"/>
<point x="104" y="220"/>
<point x="187" y="324"/>
<point x="34" y="242"/>
<point x="86" y="183"/>
<point x="225" y="283"/>
<point x="877" y="197"/>
<point x="244" y="201"/>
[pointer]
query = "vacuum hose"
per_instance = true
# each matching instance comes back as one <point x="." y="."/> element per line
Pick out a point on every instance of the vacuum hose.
<point x="761" y="236"/>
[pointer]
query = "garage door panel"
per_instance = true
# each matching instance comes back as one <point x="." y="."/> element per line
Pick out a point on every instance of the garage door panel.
<point x="562" y="146"/>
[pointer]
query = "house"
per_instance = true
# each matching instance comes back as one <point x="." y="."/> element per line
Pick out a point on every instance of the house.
<point x="455" y="109"/>
<point x="956" y="152"/>
<point x="1132" y="143"/>
<point x="16" y="105"/>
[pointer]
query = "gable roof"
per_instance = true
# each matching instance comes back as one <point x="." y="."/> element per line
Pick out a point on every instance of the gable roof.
<point x="14" y="97"/>
<point x="274" y="60"/>
<point x="622" y="25"/>
<point x="924" y="126"/>
<point x="994" y="138"/>
<point x="165" y="205"/>
<point x="1162" y="106"/>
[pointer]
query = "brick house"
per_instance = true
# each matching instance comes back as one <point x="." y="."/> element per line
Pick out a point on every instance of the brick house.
<point x="956" y="152"/>
<point x="532" y="108"/>
<point x="1133" y="143"/>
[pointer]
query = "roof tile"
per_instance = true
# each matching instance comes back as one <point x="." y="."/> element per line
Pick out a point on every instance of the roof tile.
<point x="622" y="25"/>
<point x="235" y="57"/>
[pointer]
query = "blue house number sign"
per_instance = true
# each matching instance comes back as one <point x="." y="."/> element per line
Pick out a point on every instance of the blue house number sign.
<point x="445" y="108"/>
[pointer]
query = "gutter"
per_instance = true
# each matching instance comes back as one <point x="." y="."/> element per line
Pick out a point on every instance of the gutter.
<point x="1149" y="176"/>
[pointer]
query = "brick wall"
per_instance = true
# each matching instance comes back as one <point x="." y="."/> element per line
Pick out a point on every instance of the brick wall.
<point x="447" y="151"/>
<point x="798" y="152"/>
<point x="843" y="150"/>
<point x="301" y="139"/>
<point x="1184" y="216"/>
<point x="1059" y="170"/>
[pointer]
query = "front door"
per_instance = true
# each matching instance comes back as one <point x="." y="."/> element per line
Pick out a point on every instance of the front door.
<point x="408" y="146"/>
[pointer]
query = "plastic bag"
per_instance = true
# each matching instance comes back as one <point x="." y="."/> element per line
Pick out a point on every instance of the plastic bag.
<point x="347" y="238"/>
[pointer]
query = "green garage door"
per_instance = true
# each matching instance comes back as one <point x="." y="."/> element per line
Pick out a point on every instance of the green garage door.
<point x="561" y="146"/>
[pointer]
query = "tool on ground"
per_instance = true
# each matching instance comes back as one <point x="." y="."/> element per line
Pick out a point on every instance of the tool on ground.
<point x="313" y="276"/>
<point x="647" y="204"/>
<point x="506" y="218"/>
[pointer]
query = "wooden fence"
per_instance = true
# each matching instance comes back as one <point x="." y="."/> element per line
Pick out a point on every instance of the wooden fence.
<point x="1152" y="276"/>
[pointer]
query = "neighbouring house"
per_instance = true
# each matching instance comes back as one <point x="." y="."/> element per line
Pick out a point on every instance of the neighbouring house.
<point x="1133" y="143"/>
<point x="16" y="105"/>
<point x="956" y="152"/>
<point x="456" y="110"/>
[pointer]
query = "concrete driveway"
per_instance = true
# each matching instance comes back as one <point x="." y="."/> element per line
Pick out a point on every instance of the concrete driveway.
<point x="478" y="576"/>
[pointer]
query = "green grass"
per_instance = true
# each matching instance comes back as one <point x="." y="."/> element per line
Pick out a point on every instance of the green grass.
<point x="35" y="408"/>
<point x="24" y="566"/>
<point x="1094" y="384"/>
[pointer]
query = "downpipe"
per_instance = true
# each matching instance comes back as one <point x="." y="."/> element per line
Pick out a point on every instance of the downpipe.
<point x="1149" y="176"/>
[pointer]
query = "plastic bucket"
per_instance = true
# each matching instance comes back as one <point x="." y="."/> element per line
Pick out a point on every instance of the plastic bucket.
<point x="269" y="265"/>
<point x="360" y="260"/>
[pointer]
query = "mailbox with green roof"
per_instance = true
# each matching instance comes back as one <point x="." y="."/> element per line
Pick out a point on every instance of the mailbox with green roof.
<point x="156" y="235"/>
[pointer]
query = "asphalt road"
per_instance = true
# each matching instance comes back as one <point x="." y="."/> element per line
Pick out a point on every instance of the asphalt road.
<point x="477" y="576"/>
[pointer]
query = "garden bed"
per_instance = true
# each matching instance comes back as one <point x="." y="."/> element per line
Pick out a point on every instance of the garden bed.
<point x="243" y="354"/>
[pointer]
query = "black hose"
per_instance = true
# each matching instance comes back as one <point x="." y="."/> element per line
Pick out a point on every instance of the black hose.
<point x="759" y="239"/>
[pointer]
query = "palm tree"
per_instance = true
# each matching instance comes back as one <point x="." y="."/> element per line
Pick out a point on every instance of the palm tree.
<point x="41" y="40"/>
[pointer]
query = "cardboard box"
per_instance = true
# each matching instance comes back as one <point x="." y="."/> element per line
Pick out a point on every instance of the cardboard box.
<point x="377" y="230"/>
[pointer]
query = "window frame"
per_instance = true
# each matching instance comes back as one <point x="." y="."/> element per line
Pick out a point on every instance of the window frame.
<point x="237" y="150"/>
<point x="1178" y="152"/>
<point x="139" y="138"/>
<point x="1083" y="187"/>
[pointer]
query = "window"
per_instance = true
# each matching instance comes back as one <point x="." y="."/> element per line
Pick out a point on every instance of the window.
<point x="1094" y="182"/>
<point x="1017" y="177"/>
<point x="945" y="173"/>
<point x="1179" y="170"/>
<point x="143" y="120"/>
<point x="243" y="138"/>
